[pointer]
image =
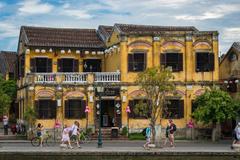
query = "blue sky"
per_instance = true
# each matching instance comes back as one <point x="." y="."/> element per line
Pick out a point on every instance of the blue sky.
<point x="220" y="15"/>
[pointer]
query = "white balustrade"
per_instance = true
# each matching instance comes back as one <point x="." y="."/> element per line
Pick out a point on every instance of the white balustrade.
<point x="107" y="77"/>
<point x="45" y="78"/>
<point x="74" y="77"/>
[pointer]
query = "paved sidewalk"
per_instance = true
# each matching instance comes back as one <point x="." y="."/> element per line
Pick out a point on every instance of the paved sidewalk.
<point x="120" y="146"/>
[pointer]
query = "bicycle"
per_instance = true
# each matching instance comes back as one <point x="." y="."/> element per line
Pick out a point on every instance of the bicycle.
<point x="35" y="141"/>
<point x="84" y="137"/>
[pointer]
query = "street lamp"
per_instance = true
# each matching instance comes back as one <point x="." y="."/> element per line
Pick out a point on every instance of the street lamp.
<point x="100" y="90"/>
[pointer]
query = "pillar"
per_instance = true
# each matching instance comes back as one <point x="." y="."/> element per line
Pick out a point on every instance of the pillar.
<point x="215" y="51"/>
<point x="123" y="59"/>
<point x="156" y="52"/>
<point x="90" y="104"/>
<point x="189" y="59"/>
<point x="124" y="106"/>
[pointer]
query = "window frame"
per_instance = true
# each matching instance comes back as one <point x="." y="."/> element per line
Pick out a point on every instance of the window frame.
<point x="179" y="109"/>
<point x="50" y="109"/>
<point x="69" y="110"/>
<point x="207" y="65"/>
<point x="132" y="115"/>
<point x="179" y="61"/>
<point x="132" y="62"/>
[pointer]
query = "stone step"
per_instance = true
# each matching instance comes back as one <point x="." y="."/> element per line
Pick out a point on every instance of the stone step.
<point x="12" y="137"/>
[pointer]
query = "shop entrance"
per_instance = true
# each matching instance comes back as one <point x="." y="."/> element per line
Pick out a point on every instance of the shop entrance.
<point x="107" y="113"/>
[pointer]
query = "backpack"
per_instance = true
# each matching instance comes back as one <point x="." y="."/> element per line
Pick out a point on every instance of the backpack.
<point x="144" y="132"/>
<point x="174" y="128"/>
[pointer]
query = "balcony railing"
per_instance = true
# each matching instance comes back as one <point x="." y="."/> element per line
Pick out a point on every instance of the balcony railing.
<point x="107" y="77"/>
<point x="45" y="78"/>
<point x="73" y="78"/>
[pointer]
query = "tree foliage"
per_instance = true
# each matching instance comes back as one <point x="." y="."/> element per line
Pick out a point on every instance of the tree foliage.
<point x="8" y="90"/>
<point x="30" y="115"/>
<point x="156" y="83"/>
<point x="215" y="106"/>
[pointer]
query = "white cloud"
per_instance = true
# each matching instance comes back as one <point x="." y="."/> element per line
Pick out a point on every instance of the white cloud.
<point x="32" y="7"/>
<point x="8" y="30"/>
<point x="80" y="13"/>
<point x="1" y="5"/>
<point x="216" y="12"/>
<point x="231" y="34"/>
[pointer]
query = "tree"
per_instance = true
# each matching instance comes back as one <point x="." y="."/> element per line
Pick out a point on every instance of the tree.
<point x="215" y="106"/>
<point x="9" y="87"/>
<point x="5" y="102"/>
<point x="30" y="116"/>
<point x="156" y="83"/>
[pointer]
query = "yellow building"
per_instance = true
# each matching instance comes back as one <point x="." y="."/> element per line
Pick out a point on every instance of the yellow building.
<point x="60" y="69"/>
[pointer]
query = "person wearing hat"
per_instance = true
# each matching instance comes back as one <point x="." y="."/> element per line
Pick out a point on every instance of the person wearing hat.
<point x="237" y="134"/>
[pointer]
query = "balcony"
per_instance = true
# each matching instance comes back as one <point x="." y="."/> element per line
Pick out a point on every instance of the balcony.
<point x="73" y="78"/>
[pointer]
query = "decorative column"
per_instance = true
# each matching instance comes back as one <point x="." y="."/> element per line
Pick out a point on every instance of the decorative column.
<point x="124" y="106"/>
<point x="156" y="51"/>
<point x="123" y="58"/>
<point x="215" y="51"/>
<point x="90" y="104"/>
<point x="189" y="59"/>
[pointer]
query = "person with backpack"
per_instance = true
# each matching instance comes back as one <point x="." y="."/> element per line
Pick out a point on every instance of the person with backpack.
<point x="147" y="136"/>
<point x="167" y="135"/>
<point x="172" y="130"/>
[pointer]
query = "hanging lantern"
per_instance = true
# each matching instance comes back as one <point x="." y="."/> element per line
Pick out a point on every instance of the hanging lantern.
<point x="69" y="51"/>
<point x="43" y="51"/>
<point x="77" y="52"/>
<point x="50" y="50"/>
<point x="128" y="109"/>
<point x="27" y="51"/>
<point x="62" y="51"/>
<point x="87" y="109"/>
<point x="37" y="50"/>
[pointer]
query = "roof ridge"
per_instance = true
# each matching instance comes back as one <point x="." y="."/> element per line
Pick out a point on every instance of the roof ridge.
<point x="62" y="28"/>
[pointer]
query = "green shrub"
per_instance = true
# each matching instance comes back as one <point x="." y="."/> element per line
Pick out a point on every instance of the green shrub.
<point x="124" y="131"/>
<point x="136" y="136"/>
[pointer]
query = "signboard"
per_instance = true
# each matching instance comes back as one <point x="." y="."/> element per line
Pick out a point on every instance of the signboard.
<point x="109" y="92"/>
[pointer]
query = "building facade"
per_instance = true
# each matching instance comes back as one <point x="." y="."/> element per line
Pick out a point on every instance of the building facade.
<point x="59" y="70"/>
<point x="229" y="75"/>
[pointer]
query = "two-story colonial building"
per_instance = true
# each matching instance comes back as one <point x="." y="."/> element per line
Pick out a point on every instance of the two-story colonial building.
<point x="59" y="70"/>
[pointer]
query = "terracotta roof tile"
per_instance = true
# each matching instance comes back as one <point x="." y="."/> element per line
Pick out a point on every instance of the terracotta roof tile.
<point x="62" y="37"/>
<point x="7" y="61"/>
<point x="105" y="31"/>
<point x="236" y="45"/>
<point x="149" y="29"/>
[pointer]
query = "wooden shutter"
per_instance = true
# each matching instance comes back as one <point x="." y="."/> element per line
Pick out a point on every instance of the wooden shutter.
<point x="22" y="65"/>
<point x="66" y="106"/>
<point x="130" y="62"/>
<point x="75" y="65"/>
<point x="33" y="65"/>
<point x="144" y="61"/>
<point x="180" y="62"/>
<point x="197" y="67"/>
<point x="37" y="109"/>
<point x="49" y="65"/>
<point x="211" y="61"/>
<point x="181" y="109"/>
<point x="53" y="106"/>
<point x="162" y="59"/>
<point x="60" y="63"/>
<point x="131" y="106"/>
<point x="82" y="109"/>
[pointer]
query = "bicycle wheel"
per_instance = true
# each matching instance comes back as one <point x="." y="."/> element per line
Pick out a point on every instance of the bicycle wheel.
<point x="35" y="141"/>
<point x="87" y="139"/>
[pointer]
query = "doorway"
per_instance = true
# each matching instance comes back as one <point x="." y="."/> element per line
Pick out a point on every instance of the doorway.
<point x="92" y="65"/>
<point x="107" y="113"/>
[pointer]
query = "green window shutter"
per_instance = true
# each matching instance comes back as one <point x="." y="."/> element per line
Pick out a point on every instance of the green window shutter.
<point x="49" y="65"/>
<point x="180" y="62"/>
<point x="33" y="65"/>
<point x="211" y="61"/>
<point x="163" y="59"/>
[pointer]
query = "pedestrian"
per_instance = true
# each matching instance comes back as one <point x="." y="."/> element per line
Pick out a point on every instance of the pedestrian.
<point x="40" y="130"/>
<point x="236" y="134"/>
<point x="65" y="137"/>
<point x="167" y="135"/>
<point x="148" y="137"/>
<point x="75" y="133"/>
<point x="5" y="124"/>
<point x="172" y="130"/>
